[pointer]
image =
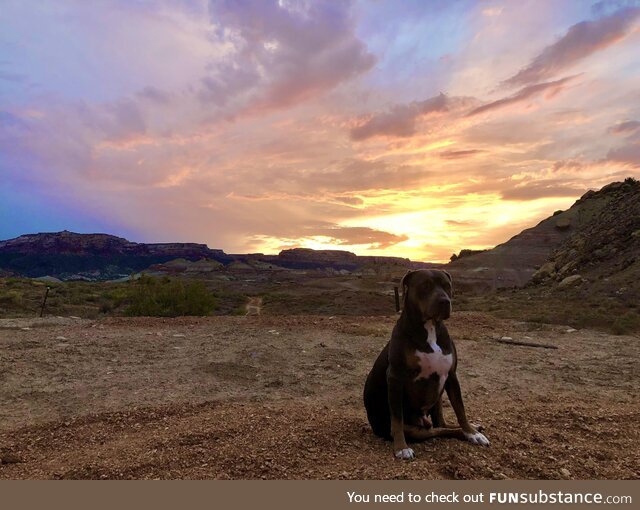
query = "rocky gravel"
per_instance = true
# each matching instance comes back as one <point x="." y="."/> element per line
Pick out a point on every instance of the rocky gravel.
<point x="280" y="397"/>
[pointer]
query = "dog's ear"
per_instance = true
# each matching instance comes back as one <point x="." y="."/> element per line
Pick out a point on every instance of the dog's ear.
<point x="404" y="284"/>
<point x="450" y="280"/>
<point x="405" y="279"/>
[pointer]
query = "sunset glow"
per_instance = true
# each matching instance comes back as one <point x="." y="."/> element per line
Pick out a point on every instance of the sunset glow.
<point x="411" y="129"/>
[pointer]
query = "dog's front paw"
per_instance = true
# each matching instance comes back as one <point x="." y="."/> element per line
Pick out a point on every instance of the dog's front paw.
<point x="405" y="454"/>
<point x="477" y="438"/>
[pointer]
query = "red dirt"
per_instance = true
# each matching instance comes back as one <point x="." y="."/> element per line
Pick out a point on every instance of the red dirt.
<point x="280" y="397"/>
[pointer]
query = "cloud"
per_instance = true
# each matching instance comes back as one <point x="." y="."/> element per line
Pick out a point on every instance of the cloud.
<point x="357" y="236"/>
<point x="460" y="154"/>
<point x="607" y="7"/>
<point x="122" y="120"/>
<point x="568" y="166"/>
<point x="400" y="120"/>
<point x="550" y="90"/>
<point x="155" y="95"/>
<point x="541" y="189"/>
<point x="254" y="127"/>
<point x="14" y="77"/>
<point x="580" y="41"/>
<point x="228" y="83"/>
<point x="284" y="52"/>
<point x="359" y="175"/>
<point x="626" y="127"/>
<point x="10" y="121"/>
<point x="461" y="223"/>
<point x="628" y="154"/>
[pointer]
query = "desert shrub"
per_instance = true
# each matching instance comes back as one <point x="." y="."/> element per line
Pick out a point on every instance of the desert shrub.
<point x="77" y="295"/>
<point x="11" y="298"/>
<point x="230" y="302"/>
<point x="106" y="307"/>
<point x="118" y="296"/>
<point x="238" y="310"/>
<point x="626" y="323"/>
<point x="164" y="297"/>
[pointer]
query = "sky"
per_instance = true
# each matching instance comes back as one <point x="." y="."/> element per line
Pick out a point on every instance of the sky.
<point x="410" y="128"/>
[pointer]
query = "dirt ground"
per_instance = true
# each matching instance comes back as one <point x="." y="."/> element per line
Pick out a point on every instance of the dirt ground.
<point x="280" y="397"/>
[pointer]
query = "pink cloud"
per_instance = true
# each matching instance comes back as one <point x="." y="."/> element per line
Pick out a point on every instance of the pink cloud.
<point x="628" y="154"/>
<point x="580" y="41"/>
<point x="626" y="127"/>
<point x="533" y="190"/>
<point x="400" y="120"/>
<point x="549" y="89"/>
<point x="285" y="52"/>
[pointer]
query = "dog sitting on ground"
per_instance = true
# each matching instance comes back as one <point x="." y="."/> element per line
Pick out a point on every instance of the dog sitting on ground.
<point x="405" y="386"/>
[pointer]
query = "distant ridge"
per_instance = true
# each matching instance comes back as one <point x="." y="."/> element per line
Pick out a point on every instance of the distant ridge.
<point x="599" y="233"/>
<point x="94" y="257"/>
<point x="68" y="255"/>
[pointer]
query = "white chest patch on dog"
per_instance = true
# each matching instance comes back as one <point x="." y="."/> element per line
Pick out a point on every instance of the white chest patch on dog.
<point x="433" y="362"/>
<point x="432" y="339"/>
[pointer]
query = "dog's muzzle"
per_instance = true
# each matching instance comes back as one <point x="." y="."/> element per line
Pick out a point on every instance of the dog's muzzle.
<point x="443" y="307"/>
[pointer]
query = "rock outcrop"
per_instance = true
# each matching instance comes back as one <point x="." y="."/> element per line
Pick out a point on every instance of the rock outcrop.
<point x="90" y="257"/>
<point x="600" y="231"/>
<point x="71" y="256"/>
<point x="605" y="243"/>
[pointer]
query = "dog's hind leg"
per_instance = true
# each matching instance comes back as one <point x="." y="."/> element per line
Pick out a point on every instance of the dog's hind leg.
<point x="437" y="417"/>
<point x="414" y="433"/>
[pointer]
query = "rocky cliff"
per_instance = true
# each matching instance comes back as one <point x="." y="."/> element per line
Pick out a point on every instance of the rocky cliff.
<point x="605" y="242"/>
<point x="600" y="226"/>
<point x="69" y="255"/>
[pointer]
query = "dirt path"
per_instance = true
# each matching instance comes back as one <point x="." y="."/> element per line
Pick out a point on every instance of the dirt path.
<point x="280" y="397"/>
<point x="254" y="306"/>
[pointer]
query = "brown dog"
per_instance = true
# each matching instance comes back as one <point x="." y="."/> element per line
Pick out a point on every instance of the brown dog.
<point x="407" y="380"/>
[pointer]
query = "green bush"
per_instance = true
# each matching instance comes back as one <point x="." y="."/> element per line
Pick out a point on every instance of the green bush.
<point x="168" y="298"/>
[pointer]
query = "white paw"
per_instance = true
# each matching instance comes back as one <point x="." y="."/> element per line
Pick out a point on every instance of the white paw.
<point x="477" y="438"/>
<point x="405" y="454"/>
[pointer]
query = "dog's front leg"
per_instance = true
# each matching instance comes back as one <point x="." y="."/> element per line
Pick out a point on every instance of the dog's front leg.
<point x="452" y="386"/>
<point x="395" y="395"/>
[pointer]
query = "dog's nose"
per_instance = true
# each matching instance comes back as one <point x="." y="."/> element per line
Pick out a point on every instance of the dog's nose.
<point x="444" y="307"/>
